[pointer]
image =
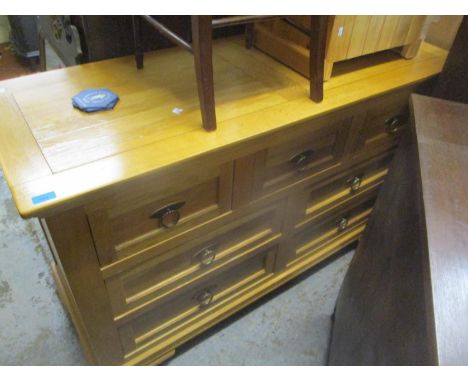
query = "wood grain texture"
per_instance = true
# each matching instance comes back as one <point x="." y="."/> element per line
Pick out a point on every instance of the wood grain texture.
<point x="372" y="39"/>
<point x="442" y="139"/>
<point x="203" y="57"/>
<point x="250" y="295"/>
<point x="90" y="152"/>
<point x="340" y="38"/>
<point x="414" y="44"/>
<point x="79" y="264"/>
<point x="18" y="164"/>
<point x="188" y="305"/>
<point x="443" y="31"/>
<point x="387" y="32"/>
<point x="348" y="37"/>
<point x="166" y="273"/>
<point x="361" y="27"/>
<point x="404" y="298"/>
<point x="149" y="281"/>
<point x="123" y="223"/>
<point x="380" y="315"/>
<point x="318" y="40"/>
<point x="269" y="187"/>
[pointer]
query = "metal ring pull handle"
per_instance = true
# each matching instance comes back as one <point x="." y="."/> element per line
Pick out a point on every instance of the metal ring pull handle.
<point x="393" y="123"/>
<point x="342" y="224"/>
<point x="168" y="215"/>
<point x="207" y="255"/>
<point x="355" y="183"/>
<point x="205" y="298"/>
<point x="302" y="159"/>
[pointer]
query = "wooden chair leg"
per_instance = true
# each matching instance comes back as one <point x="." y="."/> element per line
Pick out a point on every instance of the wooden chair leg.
<point x="203" y="57"/>
<point x="42" y="53"/>
<point x="411" y="50"/>
<point x="317" y="45"/>
<point x="138" y="41"/>
<point x="249" y="35"/>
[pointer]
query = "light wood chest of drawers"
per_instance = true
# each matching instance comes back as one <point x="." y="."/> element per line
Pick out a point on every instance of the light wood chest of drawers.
<point x="148" y="260"/>
<point x="232" y="228"/>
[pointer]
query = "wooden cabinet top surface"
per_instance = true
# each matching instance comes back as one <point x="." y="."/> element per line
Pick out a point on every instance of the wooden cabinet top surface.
<point x="54" y="155"/>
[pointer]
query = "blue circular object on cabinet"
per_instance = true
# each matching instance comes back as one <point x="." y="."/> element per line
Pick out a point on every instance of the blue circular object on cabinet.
<point x="91" y="100"/>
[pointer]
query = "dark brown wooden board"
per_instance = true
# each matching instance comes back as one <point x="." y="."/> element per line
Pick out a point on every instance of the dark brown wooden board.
<point x="442" y="132"/>
<point x="404" y="300"/>
<point x="452" y="83"/>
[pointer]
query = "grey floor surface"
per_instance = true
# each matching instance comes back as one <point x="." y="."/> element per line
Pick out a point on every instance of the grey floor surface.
<point x="290" y="327"/>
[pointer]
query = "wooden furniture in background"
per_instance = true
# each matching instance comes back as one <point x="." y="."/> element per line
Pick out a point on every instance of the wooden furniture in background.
<point x="11" y="65"/>
<point x="452" y="84"/>
<point x="201" y="48"/>
<point x="443" y="30"/>
<point x="109" y="36"/>
<point x="160" y="230"/>
<point x="404" y="298"/>
<point x="348" y="37"/>
<point x="79" y="39"/>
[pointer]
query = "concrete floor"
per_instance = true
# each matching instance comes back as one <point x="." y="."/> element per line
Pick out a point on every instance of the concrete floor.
<point x="34" y="328"/>
<point x="289" y="327"/>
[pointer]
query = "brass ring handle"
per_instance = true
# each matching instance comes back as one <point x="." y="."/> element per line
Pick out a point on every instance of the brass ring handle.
<point x="302" y="159"/>
<point x="169" y="215"/>
<point x="207" y="255"/>
<point x="355" y="183"/>
<point x="393" y="123"/>
<point x="205" y="298"/>
<point x="342" y="224"/>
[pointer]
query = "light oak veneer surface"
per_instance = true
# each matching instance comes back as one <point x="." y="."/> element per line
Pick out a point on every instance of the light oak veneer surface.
<point x="48" y="146"/>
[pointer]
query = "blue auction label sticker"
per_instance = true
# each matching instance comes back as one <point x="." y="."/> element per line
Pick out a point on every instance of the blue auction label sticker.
<point x="43" y="197"/>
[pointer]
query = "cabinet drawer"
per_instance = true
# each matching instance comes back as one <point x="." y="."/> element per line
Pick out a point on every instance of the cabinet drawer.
<point x="319" y="199"/>
<point x="383" y="122"/>
<point x="318" y="233"/>
<point x="197" y="301"/>
<point x="307" y="150"/>
<point x="159" y="209"/>
<point x="167" y="272"/>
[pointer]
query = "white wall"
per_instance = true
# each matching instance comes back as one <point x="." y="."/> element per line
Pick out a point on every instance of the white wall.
<point x="4" y="29"/>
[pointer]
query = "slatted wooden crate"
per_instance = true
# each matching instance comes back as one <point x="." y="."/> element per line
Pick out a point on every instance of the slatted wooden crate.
<point x="348" y="37"/>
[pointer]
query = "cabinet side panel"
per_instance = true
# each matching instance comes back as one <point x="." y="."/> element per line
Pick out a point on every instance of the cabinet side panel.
<point x="77" y="258"/>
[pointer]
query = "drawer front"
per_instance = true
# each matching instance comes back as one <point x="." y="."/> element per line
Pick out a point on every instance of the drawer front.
<point x="158" y="210"/>
<point x="305" y="151"/>
<point x="197" y="301"/>
<point x="318" y="233"/>
<point x="340" y="189"/>
<point x="383" y="122"/>
<point x="165" y="273"/>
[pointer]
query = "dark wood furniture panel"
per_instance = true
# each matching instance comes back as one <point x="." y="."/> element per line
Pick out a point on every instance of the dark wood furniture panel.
<point x="453" y="81"/>
<point x="403" y="300"/>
